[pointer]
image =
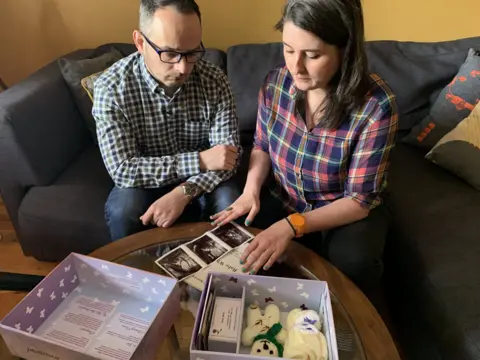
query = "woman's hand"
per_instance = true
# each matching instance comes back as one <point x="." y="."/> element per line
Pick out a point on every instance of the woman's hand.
<point x="247" y="203"/>
<point x="267" y="247"/>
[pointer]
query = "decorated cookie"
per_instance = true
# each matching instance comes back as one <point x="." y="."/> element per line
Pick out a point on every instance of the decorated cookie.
<point x="259" y="324"/>
<point x="305" y="341"/>
<point x="267" y="344"/>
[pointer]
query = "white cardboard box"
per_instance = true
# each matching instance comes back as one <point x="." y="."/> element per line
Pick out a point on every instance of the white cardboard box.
<point x="88" y="308"/>
<point x="286" y="293"/>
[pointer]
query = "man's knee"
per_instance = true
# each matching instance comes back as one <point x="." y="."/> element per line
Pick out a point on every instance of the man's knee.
<point x="126" y="203"/>
<point x="123" y="210"/>
<point x="224" y="196"/>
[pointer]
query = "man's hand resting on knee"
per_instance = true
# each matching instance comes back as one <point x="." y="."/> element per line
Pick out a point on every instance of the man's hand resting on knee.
<point x="167" y="209"/>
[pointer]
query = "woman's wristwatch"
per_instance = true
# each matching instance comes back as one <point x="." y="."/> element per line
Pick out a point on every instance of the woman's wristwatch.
<point x="297" y="222"/>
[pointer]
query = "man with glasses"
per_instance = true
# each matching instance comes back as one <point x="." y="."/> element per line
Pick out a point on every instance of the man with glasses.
<point x="166" y="125"/>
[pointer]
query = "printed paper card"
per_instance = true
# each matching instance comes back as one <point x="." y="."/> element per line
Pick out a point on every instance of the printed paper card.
<point x="219" y="250"/>
<point x="102" y="325"/>
<point x="230" y="263"/>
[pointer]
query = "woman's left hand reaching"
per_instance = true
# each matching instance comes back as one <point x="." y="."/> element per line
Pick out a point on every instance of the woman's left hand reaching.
<point x="267" y="247"/>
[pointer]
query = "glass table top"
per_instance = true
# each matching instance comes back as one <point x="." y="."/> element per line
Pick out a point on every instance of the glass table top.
<point x="348" y="341"/>
<point x="178" y="341"/>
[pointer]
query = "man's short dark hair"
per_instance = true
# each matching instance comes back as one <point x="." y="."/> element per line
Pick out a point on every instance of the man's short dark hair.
<point x="149" y="7"/>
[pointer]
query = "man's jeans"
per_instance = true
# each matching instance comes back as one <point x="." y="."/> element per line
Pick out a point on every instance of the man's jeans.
<point x="125" y="206"/>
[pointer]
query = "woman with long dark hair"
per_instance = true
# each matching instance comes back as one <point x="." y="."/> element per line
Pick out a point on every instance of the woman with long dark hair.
<point x="325" y="128"/>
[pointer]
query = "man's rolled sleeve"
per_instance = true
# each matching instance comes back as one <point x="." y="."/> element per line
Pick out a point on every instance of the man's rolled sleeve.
<point x="224" y="131"/>
<point x="370" y="160"/>
<point x="188" y="164"/>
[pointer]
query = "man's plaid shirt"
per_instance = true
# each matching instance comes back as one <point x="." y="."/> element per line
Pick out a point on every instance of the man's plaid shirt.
<point x="148" y="139"/>
<point x="314" y="168"/>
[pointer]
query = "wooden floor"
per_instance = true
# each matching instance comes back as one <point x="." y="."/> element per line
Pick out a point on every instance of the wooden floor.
<point x="13" y="260"/>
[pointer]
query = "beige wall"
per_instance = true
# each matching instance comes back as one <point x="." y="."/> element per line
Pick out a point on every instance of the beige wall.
<point x="34" y="32"/>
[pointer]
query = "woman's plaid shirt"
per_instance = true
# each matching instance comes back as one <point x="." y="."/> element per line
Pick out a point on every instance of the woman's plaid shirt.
<point x="314" y="168"/>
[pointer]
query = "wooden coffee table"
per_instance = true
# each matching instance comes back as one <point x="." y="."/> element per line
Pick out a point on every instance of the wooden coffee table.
<point x="361" y="332"/>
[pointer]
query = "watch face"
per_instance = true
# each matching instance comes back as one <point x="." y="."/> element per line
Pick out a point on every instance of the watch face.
<point x="189" y="189"/>
<point x="297" y="220"/>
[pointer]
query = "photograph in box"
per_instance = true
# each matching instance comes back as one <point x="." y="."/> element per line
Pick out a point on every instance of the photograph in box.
<point x="88" y="308"/>
<point x="281" y="318"/>
<point x="232" y="234"/>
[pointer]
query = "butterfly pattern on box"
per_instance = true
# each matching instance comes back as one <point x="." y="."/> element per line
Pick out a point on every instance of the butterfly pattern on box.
<point x="76" y="274"/>
<point x="264" y="290"/>
<point x="124" y="280"/>
<point x="44" y="298"/>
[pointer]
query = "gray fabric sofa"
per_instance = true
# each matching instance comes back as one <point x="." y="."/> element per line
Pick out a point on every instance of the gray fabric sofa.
<point x="54" y="185"/>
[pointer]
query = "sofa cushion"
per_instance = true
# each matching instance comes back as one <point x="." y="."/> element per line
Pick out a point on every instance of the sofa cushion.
<point x="454" y="104"/>
<point x="88" y="83"/>
<point x="216" y="57"/>
<point x="436" y="249"/>
<point x="247" y="66"/>
<point x="74" y="71"/>
<point x="417" y="72"/>
<point x="459" y="150"/>
<point x="125" y="48"/>
<point x="69" y="214"/>
<point x="41" y="129"/>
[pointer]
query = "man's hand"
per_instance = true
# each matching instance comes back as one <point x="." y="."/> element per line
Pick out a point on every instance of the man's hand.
<point x="220" y="157"/>
<point x="166" y="210"/>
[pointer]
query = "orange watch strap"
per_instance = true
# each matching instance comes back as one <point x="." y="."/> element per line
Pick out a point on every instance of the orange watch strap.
<point x="298" y="222"/>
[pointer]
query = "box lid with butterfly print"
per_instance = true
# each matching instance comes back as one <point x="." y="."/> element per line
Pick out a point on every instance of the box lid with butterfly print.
<point x="88" y="308"/>
<point x="286" y="293"/>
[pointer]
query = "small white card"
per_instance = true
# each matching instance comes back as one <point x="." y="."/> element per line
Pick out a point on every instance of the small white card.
<point x="226" y="320"/>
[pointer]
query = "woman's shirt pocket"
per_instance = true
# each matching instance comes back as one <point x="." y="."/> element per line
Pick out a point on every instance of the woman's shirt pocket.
<point x="325" y="163"/>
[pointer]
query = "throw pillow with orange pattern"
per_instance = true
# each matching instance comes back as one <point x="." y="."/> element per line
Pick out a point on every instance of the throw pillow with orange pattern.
<point x="459" y="150"/>
<point x="453" y="105"/>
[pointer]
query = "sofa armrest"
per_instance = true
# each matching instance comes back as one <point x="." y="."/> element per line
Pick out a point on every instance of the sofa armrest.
<point x="41" y="132"/>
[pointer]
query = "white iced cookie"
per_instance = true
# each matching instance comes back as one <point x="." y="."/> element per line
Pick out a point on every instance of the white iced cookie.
<point x="298" y="316"/>
<point x="304" y="339"/>
<point x="258" y="323"/>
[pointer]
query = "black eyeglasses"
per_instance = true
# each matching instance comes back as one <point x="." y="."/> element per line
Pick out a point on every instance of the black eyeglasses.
<point x="173" y="57"/>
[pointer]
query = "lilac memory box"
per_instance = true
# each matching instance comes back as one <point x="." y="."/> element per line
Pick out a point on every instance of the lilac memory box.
<point x="286" y="293"/>
<point x="88" y="308"/>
